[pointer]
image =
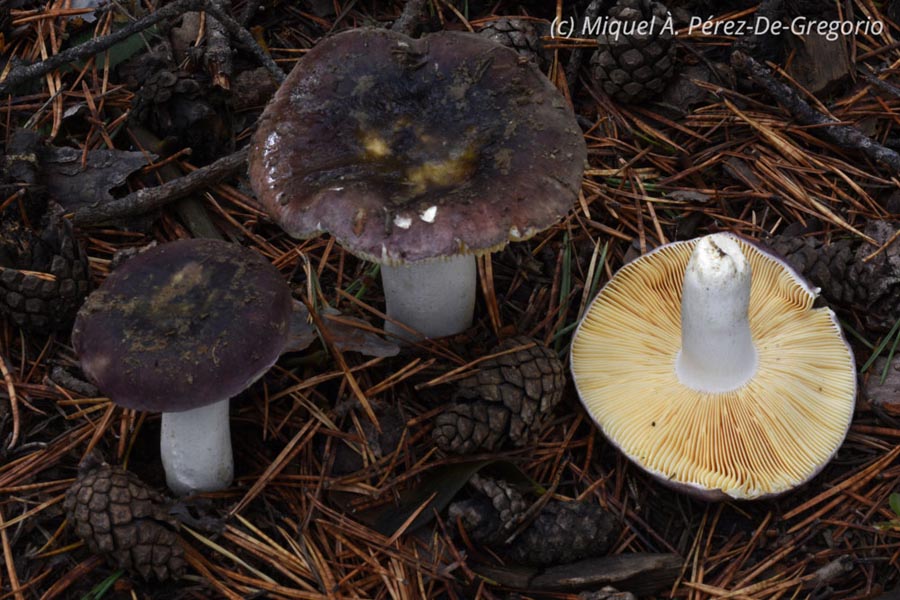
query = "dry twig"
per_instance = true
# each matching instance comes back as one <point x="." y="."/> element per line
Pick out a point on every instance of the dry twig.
<point x="148" y="199"/>
<point x="843" y="135"/>
<point x="21" y="74"/>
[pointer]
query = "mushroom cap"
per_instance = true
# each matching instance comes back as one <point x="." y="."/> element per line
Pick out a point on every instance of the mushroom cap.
<point x="183" y="325"/>
<point x="772" y="434"/>
<point x="411" y="149"/>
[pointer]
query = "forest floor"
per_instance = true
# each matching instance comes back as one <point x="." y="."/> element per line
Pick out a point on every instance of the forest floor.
<point x="727" y="148"/>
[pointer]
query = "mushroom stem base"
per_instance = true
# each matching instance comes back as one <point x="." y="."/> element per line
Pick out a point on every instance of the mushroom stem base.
<point x="435" y="298"/>
<point x="195" y="446"/>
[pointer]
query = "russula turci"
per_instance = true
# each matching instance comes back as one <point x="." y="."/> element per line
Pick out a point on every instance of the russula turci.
<point x="418" y="154"/>
<point x="180" y="329"/>
<point x="706" y="364"/>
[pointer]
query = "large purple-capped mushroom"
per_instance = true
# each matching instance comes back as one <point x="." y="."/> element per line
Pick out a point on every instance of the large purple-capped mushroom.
<point x="180" y="329"/>
<point x="418" y="154"/>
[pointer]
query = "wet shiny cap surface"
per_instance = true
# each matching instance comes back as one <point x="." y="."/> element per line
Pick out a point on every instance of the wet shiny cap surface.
<point x="183" y="325"/>
<point x="411" y="149"/>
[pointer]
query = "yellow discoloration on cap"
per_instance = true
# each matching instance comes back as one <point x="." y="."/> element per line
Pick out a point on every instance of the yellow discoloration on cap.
<point x="376" y="147"/>
<point x="442" y="173"/>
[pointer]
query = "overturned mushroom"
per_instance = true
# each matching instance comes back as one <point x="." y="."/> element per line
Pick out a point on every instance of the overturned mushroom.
<point x="707" y="365"/>
<point x="418" y="154"/>
<point x="180" y="329"/>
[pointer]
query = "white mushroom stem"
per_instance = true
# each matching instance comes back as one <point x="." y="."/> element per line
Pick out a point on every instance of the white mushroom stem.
<point x="195" y="446"/>
<point x="436" y="298"/>
<point x="717" y="352"/>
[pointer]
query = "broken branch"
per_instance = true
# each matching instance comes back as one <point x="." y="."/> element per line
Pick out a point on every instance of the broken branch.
<point x="148" y="199"/>
<point x="843" y="135"/>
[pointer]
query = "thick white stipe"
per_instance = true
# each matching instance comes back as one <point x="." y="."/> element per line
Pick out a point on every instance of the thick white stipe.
<point x="717" y="352"/>
<point x="195" y="446"/>
<point x="436" y="298"/>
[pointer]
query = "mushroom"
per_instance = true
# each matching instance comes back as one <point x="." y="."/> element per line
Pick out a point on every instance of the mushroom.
<point x="722" y="384"/>
<point x="180" y="329"/>
<point x="418" y="154"/>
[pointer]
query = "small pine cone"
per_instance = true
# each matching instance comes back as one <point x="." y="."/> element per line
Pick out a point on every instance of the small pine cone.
<point x="522" y="35"/>
<point x="175" y="104"/>
<point x="880" y="276"/>
<point x="845" y="279"/>
<point x="118" y="516"/>
<point x="506" y="500"/>
<point x="158" y="88"/>
<point x="832" y="267"/>
<point x="49" y="301"/>
<point x="564" y="532"/>
<point x="510" y="398"/>
<point x="479" y="519"/>
<point x="20" y="163"/>
<point x="464" y="428"/>
<point x="631" y="64"/>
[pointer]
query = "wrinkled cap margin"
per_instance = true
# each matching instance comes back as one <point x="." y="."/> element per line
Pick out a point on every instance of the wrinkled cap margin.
<point x="183" y="325"/>
<point x="772" y="434"/>
<point x="412" y="149"/>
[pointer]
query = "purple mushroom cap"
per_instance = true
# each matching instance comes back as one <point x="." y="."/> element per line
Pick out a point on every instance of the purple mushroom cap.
<point x="411" y="149"/>
<point x="183" y="325"/>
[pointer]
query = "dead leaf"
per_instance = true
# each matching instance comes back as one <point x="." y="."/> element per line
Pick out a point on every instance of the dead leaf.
<point x="302" y="333"/>
<point x="354" y="335"/>
<point x="436" y="489"/>
<point x="74" y="187"/>
<point x="348" y="333"/>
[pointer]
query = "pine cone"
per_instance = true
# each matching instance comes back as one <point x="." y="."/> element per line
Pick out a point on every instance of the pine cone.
<point x="48" y="300"/>
<point x="479" y="519"/>
<point x="522" y="35"/>
<point x="20" y="172"/>
<point x="506" y="500"/>
<point x="631" y="64"/>
<point x="118" y="516"/>
<point x="510" y="398"/>
<point x="845" y="279"/>
<point x="176" y="105"/>
<point x="564" y="532"/>
<point x="832" y="267"/>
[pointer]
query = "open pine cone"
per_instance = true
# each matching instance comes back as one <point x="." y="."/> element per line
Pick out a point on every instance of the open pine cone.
<point x="509" y="399"/>
<point x="846" y="280"/>
<point x="119" y="517"/>
<point x="832" y="267"/>
<point x="522" y="35"/>
<point x="562" y="532"/>
<point x="46" y="274"/>
<point x="635" y="67"/>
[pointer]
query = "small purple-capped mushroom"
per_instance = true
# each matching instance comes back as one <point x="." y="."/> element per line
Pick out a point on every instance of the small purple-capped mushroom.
<point x="418" y="154"/>
<point x="706" y="364"/>
<point x="180" y="329"/>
